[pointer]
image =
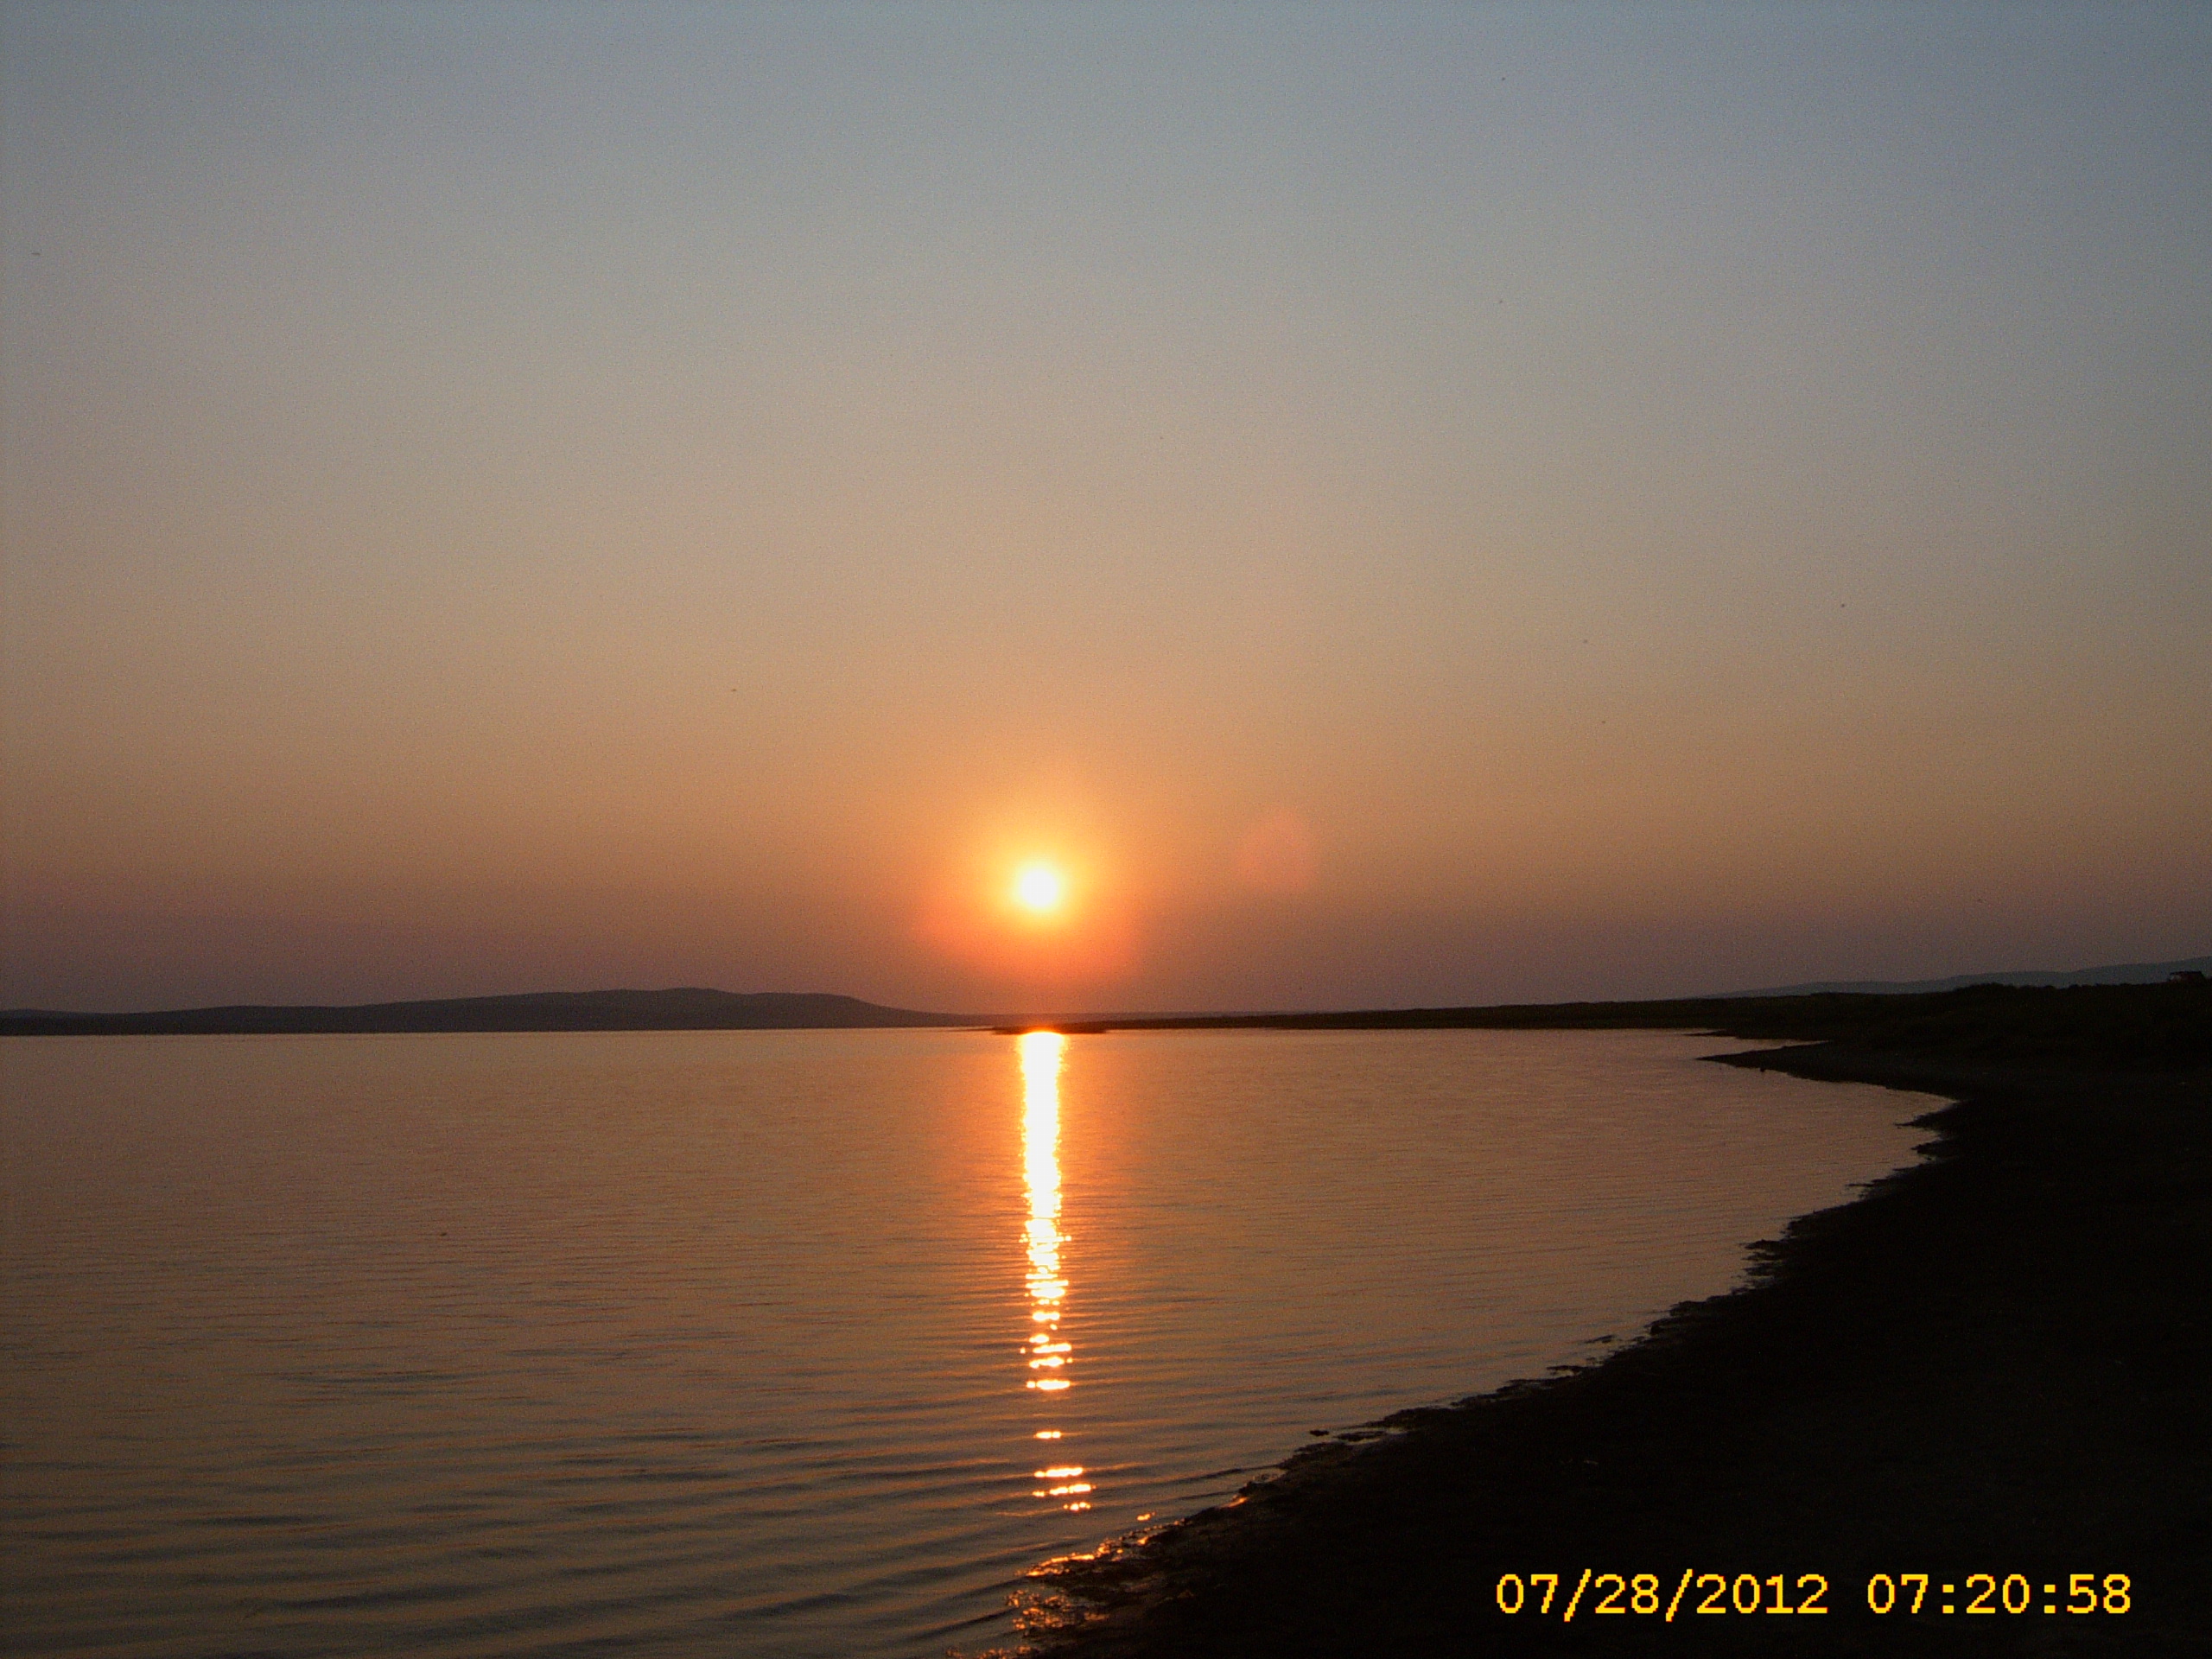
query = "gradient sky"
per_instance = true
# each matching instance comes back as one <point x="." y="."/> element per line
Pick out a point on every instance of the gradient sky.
<point x="1404" y="504"/>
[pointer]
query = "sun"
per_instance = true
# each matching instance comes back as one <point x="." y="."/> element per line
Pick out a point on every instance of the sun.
<point x="1040" y="888"/>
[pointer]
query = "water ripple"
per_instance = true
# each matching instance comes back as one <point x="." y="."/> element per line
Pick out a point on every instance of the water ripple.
<point x="664" y="1343"/>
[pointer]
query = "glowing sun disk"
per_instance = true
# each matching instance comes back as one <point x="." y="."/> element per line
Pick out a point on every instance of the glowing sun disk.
<point x="1039" y="887"/>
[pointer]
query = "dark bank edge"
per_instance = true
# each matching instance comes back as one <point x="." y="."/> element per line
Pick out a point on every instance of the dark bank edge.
<point x="1993" y="1360"/>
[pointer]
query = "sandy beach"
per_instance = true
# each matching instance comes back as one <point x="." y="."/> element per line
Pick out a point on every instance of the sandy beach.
<point x="1992" y="1363"/>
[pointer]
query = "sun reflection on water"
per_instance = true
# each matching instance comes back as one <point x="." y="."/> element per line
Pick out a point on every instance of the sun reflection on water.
<point x="1048" y="1357"/>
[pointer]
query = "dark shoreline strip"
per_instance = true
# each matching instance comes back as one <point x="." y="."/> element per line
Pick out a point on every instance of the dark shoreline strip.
<point x="1994" y="1362"/>
<point x="688" y="1008"/>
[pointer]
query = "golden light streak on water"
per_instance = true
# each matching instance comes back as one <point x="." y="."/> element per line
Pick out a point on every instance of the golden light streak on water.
<point x="1048" y="1358"/>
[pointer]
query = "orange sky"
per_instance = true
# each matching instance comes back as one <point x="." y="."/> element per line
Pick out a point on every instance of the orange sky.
<point x="1428" y="504"/>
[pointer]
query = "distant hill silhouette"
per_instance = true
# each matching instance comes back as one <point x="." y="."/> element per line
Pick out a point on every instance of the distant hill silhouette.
<point x="2131" y="973"/>
<point x="689" y="1008"/>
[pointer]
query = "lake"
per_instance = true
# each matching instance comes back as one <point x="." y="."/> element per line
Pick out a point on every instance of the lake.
<point x="791" y="1342"/>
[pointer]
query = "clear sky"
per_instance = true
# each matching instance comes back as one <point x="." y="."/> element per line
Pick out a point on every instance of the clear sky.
<point x="1393" y="504"/>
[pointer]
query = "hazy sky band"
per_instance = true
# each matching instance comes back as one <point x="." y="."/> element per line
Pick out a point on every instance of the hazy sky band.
<point x="504" y="497"/>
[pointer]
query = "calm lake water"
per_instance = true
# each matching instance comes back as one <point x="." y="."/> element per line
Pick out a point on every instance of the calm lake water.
<point x="785" y="1343"/>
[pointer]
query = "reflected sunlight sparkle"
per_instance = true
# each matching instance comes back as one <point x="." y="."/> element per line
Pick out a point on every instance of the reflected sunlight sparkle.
<point x="1041" y="1053"/>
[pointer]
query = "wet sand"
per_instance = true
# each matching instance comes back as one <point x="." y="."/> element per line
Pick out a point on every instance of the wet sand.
<point x="1995" y="1362"/>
